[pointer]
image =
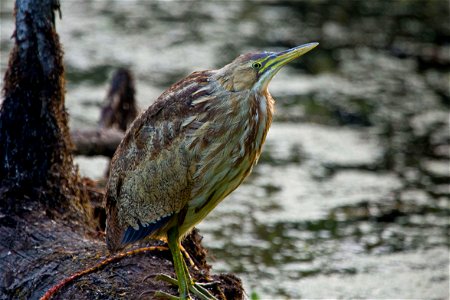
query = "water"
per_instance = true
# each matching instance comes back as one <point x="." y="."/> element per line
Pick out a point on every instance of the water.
<point x="351" y="196"/>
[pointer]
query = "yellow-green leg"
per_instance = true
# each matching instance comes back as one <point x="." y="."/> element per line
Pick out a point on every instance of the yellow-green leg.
<point x="184" y="282"/>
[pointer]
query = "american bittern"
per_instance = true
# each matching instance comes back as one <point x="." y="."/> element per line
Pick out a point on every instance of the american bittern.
<point x="188" y="151"/>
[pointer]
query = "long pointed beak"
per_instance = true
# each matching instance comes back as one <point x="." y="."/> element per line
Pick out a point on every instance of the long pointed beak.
<point x="278" y="60"/>
<point x="275" y="61"/>
<point x="289" y="55"/>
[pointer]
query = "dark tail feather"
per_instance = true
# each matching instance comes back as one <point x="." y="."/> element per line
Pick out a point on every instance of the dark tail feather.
<point x="133" y="235"/>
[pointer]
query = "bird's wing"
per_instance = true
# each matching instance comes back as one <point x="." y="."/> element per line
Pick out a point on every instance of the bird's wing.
<point x="151" y="171"/>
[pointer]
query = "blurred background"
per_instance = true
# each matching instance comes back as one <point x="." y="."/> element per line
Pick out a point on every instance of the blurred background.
<point x="351" y="196"/>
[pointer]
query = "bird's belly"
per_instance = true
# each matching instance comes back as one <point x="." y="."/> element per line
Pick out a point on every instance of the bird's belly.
<point x="226" y="178"/>
<point x="222" y="178"/>
<point x="226" y="162"/>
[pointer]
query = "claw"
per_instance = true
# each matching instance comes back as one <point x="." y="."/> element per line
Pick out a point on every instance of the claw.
<point x="152" y="275"/>
<point x="164" y="295"/>
<point x="208" y="284"/>
<point x="166" y="278"/>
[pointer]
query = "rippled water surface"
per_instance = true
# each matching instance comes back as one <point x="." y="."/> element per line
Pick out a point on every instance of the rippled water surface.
<point x="351" y="196"/>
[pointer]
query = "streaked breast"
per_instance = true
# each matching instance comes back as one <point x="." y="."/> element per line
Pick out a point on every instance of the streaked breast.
<point x="228" y="149"/>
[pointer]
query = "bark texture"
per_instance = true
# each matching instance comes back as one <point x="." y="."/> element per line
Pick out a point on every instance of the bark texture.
<point x="35" y="157"/>
<point x="120" y="107"/>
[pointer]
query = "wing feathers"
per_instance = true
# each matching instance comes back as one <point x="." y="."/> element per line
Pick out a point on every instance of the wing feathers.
<point x="132" y="235"/>
<point x="150" y="172"/>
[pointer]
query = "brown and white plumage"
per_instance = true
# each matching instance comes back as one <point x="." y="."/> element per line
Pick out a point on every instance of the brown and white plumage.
<point x="191" y="148"/>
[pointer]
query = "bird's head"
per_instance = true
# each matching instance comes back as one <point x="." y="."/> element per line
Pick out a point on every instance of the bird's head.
<point x="253" y="71"/>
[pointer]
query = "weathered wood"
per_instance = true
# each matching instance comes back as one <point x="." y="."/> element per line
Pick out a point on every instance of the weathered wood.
<point x="117" y="114"/>
<point x="35" y="258"/>
<point x="35" y="156"/>
<point x="97" y="141"/>
<point x="120" y="108"/>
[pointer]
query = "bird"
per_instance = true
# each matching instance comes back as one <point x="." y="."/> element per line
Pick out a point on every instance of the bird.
<point x="188" y="151"/>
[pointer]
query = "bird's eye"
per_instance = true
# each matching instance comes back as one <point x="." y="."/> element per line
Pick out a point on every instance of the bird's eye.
<point x="256" y="65"/>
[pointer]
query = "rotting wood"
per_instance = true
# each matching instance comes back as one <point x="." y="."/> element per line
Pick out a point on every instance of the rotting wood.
<point x="35" y="158"/>
<point x="117" y="114"/>
<point x="120" y="108"/>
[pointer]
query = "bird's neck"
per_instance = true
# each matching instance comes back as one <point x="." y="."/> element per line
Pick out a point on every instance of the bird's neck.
<point x="264" y="104"/>
<point x="249" y="113"/>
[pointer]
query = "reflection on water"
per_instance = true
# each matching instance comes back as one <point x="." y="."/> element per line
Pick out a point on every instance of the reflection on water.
<point x="291" y="226"/>
<point x="351" y="196"/>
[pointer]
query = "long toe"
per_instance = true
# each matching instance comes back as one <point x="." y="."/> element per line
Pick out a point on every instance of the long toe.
<point x="201" y="292"/>
<point x="172" y="281"/>
<point x="196" y="289"/>
<point x="164" y="295"/>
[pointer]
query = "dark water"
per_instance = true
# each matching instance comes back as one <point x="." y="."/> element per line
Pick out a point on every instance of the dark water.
<point x="351" y="196"/>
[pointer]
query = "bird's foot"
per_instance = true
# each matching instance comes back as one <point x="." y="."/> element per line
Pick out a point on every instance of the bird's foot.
<point x="195" y="288"/>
